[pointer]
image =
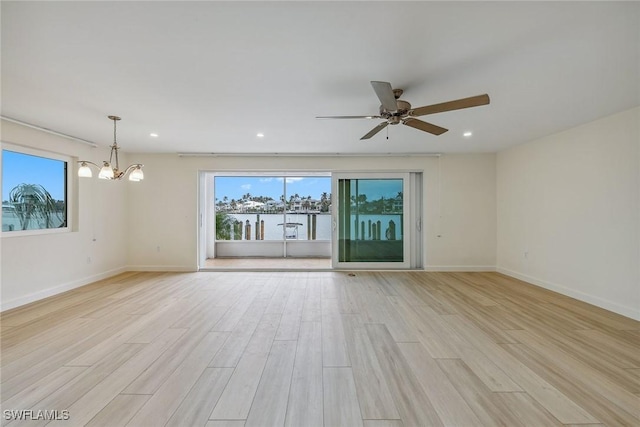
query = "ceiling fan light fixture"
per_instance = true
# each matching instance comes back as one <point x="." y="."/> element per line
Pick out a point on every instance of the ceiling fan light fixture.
<point x="467" y="134"/>
<point x="109" y="170"/>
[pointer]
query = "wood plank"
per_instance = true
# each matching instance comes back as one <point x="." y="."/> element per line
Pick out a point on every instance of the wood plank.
<point x="601" y="408"/>
<point x="269" y="406"/>
<point x="237" y="397"/>
<point x="63" y="335"/>
<point x="15" y="381"/>
<point x="448" y="341"/>
<point x="48" y="385"/>
<point x="231" y="353"/>
<point x="412" y="403"/>
<point x="341" y="406"/>
<point x="279" y="298"/>
<point x="487" y="406"/>
<point x="383" y="423"/>
<point x="416" y="318"/>
<point x="119" y="411"/>
<point x="156" y="320"/>
<point x="153" y="377"/>
<point x="312" y="308"/>
<point x="447" y="402"/>
<point x="225" y="423"/>
<point x="617" y="349"/>
<point x="575" y="371"/>
<point x="348" y="298"/>
<point x="596" y="314"/>
<point x="334" y="345"/>
<point x="562" y="407"/>
<point x="235" y="314"/>
<point x="527" y="410"/>
<point x="291" y="316"/>
<point x="202" y="398"/>
<point x="71" y="391"/>
<point x="305" y="405"/>
<point x="376" y="308"/>
<point x="96" y="398"/>
<point x="161" y="406"/>
<point x="374" y="396"/>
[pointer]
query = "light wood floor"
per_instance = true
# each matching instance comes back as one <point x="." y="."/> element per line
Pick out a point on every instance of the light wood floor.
<point x="320" y="349"/>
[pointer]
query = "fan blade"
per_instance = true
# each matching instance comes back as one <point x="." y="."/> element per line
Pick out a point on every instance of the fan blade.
<point x="385" y="95"/>
<point x="424" y="126"/>
<point x="458" y="104"/>
<point x="375" y="130"/>
<point x="348" y="117"/>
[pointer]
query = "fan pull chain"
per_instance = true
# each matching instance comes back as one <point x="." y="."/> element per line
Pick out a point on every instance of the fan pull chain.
<point x="387" y="132"/>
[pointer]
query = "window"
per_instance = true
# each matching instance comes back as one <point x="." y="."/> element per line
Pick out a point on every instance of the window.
<point x="273" y="207"/>
<point x="34" y="191"/>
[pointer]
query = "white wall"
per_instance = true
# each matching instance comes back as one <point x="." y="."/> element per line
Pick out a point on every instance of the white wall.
<point x="568" y="212"/>
<point x="461" y="213"/>
<point x="36" y="266"/>
<point x="163" y="209"/>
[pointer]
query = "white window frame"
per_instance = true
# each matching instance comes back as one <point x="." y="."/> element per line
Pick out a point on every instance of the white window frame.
<point x="71" y="161"/>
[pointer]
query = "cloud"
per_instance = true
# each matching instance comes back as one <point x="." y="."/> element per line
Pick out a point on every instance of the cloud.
<point x="291" y="179"/>
<point x="246" y="186"/>
<point x="266" y="179"/>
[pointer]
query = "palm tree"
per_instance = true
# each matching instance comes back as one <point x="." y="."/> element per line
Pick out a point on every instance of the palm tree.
<point x="224" y="225"/>
<point x="33" y="201"/>
<point x="325" y="201"/>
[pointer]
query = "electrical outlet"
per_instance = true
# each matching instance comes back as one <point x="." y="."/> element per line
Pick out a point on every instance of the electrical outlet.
<point x="88" y="260"/>
<point x="158" y="248"/>
<point x="526" y="254"/>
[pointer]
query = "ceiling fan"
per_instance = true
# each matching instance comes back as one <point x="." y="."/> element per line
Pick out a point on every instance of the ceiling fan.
<point x="394" y="110"/>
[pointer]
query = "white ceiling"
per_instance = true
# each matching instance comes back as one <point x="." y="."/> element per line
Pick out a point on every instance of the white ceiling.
<point x="208" y="76"/>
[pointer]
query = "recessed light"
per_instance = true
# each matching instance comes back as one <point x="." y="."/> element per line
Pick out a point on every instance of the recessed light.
<point x="260" y="135"/>
<point x="153" y="135"/>
<point x="467" y="134"/>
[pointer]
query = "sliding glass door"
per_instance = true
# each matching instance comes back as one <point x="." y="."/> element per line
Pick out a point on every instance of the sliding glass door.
<point x="375" y="221"/>
<point x="359" y="220"/>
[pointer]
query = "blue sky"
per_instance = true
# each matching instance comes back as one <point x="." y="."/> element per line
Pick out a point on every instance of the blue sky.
<point x="234" y="187"/>
<point x="18" y="168"/>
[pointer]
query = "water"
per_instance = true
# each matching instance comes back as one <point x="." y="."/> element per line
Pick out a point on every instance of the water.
<point x="273" y="231"/>
<point x="11" y="221"/>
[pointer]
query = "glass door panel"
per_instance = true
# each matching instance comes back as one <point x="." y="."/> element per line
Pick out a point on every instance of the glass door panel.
<point x="371" y="221"/>
<point x="270" y="215"/>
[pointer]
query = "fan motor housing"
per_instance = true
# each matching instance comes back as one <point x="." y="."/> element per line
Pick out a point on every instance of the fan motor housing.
<point x="403" y="108"/>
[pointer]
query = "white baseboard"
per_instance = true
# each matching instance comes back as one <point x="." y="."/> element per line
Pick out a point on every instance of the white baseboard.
<point x="45" y="293"/>
<point x="178" y="268"/>
<point x="631" y="312"/>
<point x="452" y="268"/>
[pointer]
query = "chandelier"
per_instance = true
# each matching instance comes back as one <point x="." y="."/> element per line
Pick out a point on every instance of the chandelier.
<point x="109" y="170"/>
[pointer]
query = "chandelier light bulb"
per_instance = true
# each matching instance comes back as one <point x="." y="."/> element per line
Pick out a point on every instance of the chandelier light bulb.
<point x="84" y="171"/>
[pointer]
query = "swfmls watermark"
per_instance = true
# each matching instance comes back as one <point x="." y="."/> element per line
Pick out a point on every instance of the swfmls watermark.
<point x="35" y="415"/>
